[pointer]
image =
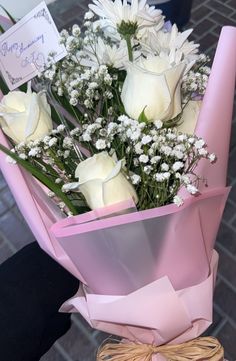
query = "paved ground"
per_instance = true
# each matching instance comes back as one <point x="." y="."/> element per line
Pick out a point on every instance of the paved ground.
<point x="80" y="343"/>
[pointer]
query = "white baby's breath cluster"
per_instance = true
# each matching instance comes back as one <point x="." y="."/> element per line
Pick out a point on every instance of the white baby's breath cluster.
<point x="195" y="81"/>
<point x="158" y="161"/>
<point x="92" y="74"/>
<point x="117" y="39"/>
<point x="55" y="156"/>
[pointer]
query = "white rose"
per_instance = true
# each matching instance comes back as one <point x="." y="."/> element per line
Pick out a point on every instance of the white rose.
<point x="102" y="182"/>
<point x="190" y="116"/>
<point x="153" y="85"/>
<point x="25" y="116"/>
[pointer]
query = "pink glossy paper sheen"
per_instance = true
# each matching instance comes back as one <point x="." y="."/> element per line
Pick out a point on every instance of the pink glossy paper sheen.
<point x="168" y="278"/>
<point x="141" y="311"/>
<point x="117" y="249"/>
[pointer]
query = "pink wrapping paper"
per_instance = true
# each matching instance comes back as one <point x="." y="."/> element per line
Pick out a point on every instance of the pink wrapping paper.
<point x="155" y="314"/>
<point x="171" y="285"/>
<point x="214" y="125"/>
<point x="129" y="251"/>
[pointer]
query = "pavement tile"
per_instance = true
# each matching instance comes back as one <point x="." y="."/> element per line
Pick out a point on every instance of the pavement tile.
<point x="221" y="19"/>
<point x="3" y="205"/>
<point x="229" y="212"/>
<point x="233" y="136"/>
<point x="200" y="12"/>
<point x="231" y="165"/>
<point x="2" y="239"/>
<point x="5" y="252"/>
<point x="16" y="232"/>
<point x="227" y="268"/>
<point x="204" y="26"/>
<point x="207" y="41"/>
<point x="52" y="355"/>
<point x="231" y="3"/>
<point x="221" y="8"/>
<point x="225" y="299"/>
<point x="227" y="238"/>
<point x="227" y="338"/>
<point x="2" y="181"/>
<point x="7" y="197"/>
<point x="77" y="345"/>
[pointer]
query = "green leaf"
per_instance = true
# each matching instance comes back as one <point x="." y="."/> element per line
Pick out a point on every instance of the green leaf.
<point x="41" y="177"/>
<point x="9" y="15"/>
<point x="2" y="30"/>
<point x="3" y="86"/>
<point x="142" y="117"/>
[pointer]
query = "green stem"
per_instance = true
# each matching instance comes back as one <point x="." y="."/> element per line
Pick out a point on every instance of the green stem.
<point x="129" y="46"/>
<point x="41" y="177"/>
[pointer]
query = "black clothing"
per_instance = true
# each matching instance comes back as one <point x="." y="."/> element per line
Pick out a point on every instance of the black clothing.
<point x="32" y="288"/>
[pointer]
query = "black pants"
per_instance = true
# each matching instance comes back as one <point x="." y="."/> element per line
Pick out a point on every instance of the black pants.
<point x="177" y="11"/>
<point x="32" y="288"/>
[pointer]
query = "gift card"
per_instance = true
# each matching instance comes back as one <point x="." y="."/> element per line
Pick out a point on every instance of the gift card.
<point x="25" y="47"/>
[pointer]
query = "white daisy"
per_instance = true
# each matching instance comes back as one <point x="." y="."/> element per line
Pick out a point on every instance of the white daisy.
<point x="104" y="54"/>
<point x="114" y="14"/>
<point x="172" y="45"/>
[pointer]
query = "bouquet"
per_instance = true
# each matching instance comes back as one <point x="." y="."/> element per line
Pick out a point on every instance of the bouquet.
<point x="132" y="130"/>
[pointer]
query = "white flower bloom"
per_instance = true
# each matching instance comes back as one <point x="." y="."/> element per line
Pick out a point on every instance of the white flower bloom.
<point x="191" y="140"/>
<point x="172" y="45"/>
<point x="138" y="148"/>
<point x="135" y="135"/>
<point x="156" y="159"/>
<point x="177" y="166"/>
<point x="101" y="53"/>
<point x="182" y="137"/>
<point x="61" y="128"/>
<point x="192" y="189"/>
<point x="66" y="154"/>
<point x="23" y="156"/>
<point x="166" y="149"/>
<point x="67" y="143"/>
<point x="158" y="124"/>
<point x="46" y="139"/>
<point x="34" y="152"/>
<point x="61" y="205"/>
<point x="25" y="116"/>
<point x="143" y="158"/>
<point x="74" y="131"/>
<point x="199" y="143"/>
<point x="135" y="178"/>
<point x="159" y="177"/>
<point x="159" y="96"/>
<point x="113" y="13"/>
<point x="166" y="175"/>
<point x="202" y="152"/>
<point x="147" y="169"/>
<point x="178" y="200"/>
<point x="51" y="194"/>
<point x="146" y="139"/>
<point x="88" y="15"/>
<point x="76" y="30"/>
<point x="86" y="137"/>
<point x="178" y="154"/>
<point x="100" y="144"/>
<point x="52" y="142"/>
<point x="165" y="167"/>
<point x="185" y="179"/>
<point x="212" y="157"/>
<point x="102" y="181"/>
